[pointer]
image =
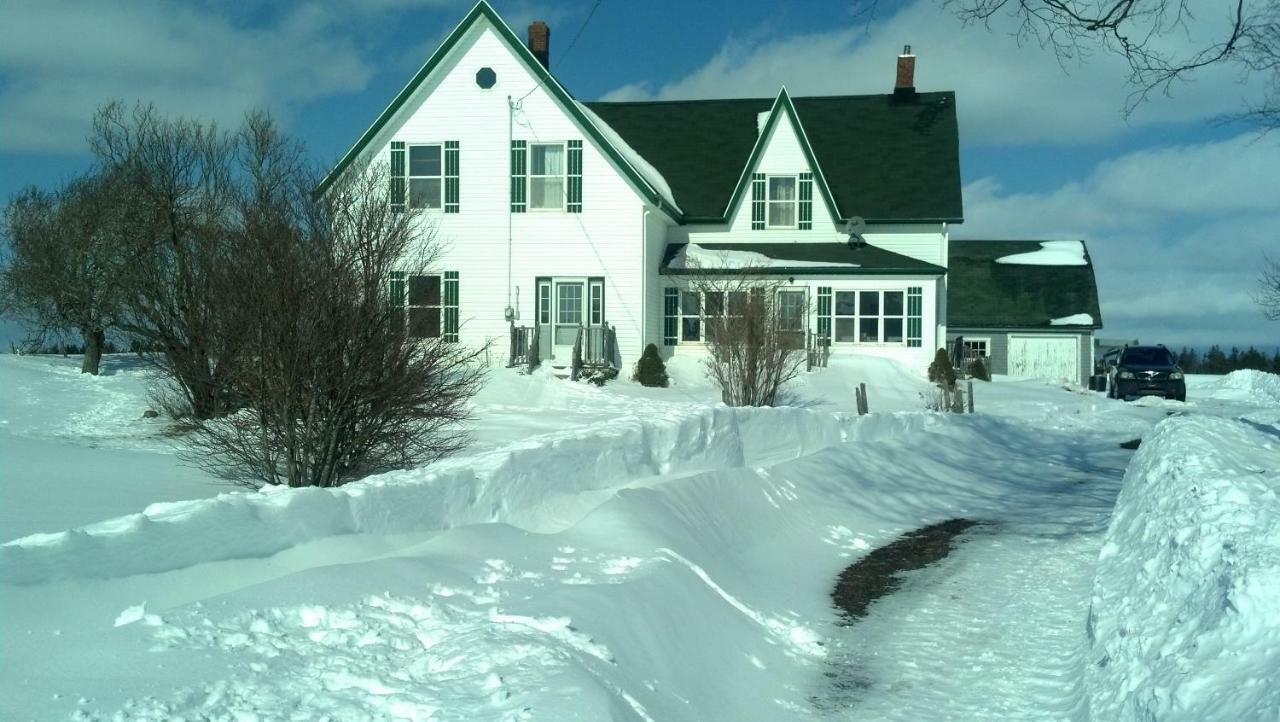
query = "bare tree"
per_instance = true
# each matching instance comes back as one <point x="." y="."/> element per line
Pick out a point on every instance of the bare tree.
<point x="1244" y="34"/>
<point x="1268" y="293"/>
<point x="754" y="333"/>
<point x="334" y="387"/>
<point x="63" y="261"/>
<point x="181" y="193"/>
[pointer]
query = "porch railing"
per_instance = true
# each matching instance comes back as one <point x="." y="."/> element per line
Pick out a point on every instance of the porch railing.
<point x="524" y="346"/>
<point x="817" y="351"/>
<point x="595" y="347"/>
<point x="963" y="357"/>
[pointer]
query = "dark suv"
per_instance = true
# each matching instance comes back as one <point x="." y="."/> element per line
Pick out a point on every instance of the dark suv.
<point x="1147" y="371"/>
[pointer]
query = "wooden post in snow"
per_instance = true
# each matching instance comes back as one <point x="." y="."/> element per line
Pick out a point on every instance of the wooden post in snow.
<point x="971" y="397"/>
<point x="860" y="395"/>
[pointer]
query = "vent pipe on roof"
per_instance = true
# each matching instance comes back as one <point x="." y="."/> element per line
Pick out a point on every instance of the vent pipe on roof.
<point x="540" y="42"/>
<point x="905" y="87"/>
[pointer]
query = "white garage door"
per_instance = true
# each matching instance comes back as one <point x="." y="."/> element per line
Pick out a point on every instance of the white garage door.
<point x="1052" y="358"/>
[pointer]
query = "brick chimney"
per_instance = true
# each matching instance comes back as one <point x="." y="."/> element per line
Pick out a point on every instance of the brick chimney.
<point x="540" y="42"/>
<point x="905" y="87"/>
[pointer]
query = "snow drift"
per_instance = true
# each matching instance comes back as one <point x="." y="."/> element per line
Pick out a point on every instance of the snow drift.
<point x="1246" y="385"/>
<point x="1187" y="590"/>
<point x="490" y="487"/>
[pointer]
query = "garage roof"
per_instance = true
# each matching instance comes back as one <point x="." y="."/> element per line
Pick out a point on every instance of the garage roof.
<point x="984" y="293"/>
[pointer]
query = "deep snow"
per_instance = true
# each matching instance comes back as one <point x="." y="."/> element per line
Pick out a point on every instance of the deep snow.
<point x="618" y="553"/>
<point x="1187" y="596"/>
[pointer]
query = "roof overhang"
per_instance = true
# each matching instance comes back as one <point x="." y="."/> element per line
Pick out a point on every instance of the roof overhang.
<point x="790" y="259"/>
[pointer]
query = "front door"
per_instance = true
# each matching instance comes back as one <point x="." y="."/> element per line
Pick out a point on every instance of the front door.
<point x="568" y="309"/>
<point x="793" y="315"/>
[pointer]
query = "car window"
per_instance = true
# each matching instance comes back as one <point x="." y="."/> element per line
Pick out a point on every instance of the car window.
<point x="1147" y="357"/>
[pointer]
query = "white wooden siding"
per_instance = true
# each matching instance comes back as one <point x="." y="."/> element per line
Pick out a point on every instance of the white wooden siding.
<point x="606" y="239"/>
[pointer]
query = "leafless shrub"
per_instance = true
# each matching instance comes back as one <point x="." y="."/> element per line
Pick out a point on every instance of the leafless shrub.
<point x="754" y="334"/>
<point x="333" y="389"/>
<point x="177" y="195"/>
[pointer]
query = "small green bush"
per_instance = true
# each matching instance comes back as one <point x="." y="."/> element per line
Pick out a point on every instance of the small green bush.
<point x="978" y="369"/>
<point x="650" y="371"/>
<point x="940" y="371"/>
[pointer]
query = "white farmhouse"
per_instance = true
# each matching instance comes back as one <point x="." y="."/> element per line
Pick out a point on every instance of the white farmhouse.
<point x="569" y="222"/>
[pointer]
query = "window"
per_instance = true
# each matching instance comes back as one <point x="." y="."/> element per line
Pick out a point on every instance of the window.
<point x="544" y="302"/>
<point x="720" y="308"/>
<point x="977" y="347"/>
<point x="425" y="176"/>
<point x="597" y="303"/>
<point x="690" y="316"/>
<point x="782" y="201"/>
<point x="546" y="176"/>
<point x="870" y="317"/>
<point x="417" y="310"/>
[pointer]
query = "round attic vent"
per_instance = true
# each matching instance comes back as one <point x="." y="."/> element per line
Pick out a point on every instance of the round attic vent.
<point x="485" y="78"/>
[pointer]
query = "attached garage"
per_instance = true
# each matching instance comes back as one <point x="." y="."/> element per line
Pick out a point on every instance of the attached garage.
<point x="1029" y="307"/>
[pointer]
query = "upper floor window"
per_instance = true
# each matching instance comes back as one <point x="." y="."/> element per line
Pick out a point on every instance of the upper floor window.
<point x="782" y="201"/>
<point x="547" y="176"/>
<point x="426" y="176"/>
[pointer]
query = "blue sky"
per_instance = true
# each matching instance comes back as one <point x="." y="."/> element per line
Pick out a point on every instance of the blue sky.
<point x="1178" y="207"/>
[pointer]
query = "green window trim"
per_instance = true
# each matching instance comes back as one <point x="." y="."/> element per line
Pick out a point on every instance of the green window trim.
<point x="452" y="187"/>
<point x="758" y="194"/>
<point x="574" y="191"/>
<point x="915" y="314"/>
<point x="397" y="176"/>
<point x="806" y="201"/>
<point x="450" y="331"/>
<point x="671" y="316"/>
<point x="519" y="172"/>
<point x="824" y="313"/>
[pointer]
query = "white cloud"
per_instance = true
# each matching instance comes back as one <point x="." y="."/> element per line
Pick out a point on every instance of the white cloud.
<point x="62" y="59"/>
<point x="1006" y="92"/>
<point x="1176" y="233"/>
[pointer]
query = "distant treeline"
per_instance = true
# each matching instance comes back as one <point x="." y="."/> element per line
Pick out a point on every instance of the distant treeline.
<point x="76" y="349"/>
<point x="1217" y="361"/>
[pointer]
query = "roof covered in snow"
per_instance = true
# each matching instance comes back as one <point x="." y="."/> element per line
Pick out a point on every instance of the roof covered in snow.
<point x="986" y="290"/>
<point x="884" y="159"/>
<point x="796" y="259"/>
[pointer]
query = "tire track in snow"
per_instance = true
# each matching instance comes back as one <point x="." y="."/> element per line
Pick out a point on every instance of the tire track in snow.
<point x="995" y="632"/>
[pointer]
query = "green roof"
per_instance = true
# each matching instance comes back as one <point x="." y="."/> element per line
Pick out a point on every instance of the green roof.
<point x="885" y="159"/>
<point x="861" y="260"/>
<point x="984" y="294"/>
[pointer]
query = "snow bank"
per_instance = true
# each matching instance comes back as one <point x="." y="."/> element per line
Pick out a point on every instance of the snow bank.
<point x="1187" y="591"/>
<point x="1255" y="387"/>
<point x="1051" y="253"/>
<point x="495" y="486"/>
<point x="695" y="256"/>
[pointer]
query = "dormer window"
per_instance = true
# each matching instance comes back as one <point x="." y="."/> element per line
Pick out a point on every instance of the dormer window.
<point x="546" y="176"/>
<point x="782" y="201"/>
<point x="425" y="176"/>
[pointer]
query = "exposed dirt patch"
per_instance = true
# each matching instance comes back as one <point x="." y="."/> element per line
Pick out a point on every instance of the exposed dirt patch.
<point x="1131" y="444"/>
<point x="878" y="573"/>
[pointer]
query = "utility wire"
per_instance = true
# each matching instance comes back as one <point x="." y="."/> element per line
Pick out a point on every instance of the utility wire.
<point x="567" y="50"/>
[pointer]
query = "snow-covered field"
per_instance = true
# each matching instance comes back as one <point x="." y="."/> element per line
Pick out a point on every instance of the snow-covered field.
<point x="646" y="554"/>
